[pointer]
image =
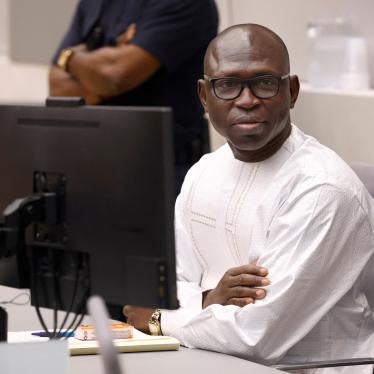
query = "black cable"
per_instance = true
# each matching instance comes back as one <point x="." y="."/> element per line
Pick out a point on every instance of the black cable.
<point x="80" y="311"/>
<point x="72" y="303"/>
<point x="85" y="294"/>
<point x="79" y="322"/>
<point x="34" y="292"/>
<point x="81" y="306"/>
<point x="13" y="302"/>
<point x="56" y="297"/>
<point x="52" y="334"/>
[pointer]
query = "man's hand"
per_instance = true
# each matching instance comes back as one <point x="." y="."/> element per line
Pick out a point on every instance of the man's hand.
<point x="80" y="48"/>
<point x="62" y="83"/>
<point x="138" y="317"/>
<point x="236" y="287"/>
<point x="127" y="35"/>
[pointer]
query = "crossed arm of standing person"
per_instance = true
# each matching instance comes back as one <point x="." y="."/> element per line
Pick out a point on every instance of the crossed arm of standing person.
<point x="105" y="72"/>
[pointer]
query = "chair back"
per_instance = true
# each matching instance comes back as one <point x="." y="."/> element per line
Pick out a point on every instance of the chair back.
<point x="366" y="173"/>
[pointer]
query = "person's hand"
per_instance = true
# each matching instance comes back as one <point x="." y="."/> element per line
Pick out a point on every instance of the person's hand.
<point x="127" y="35"/>
<point x="238" y="286"/>
<point x="80" y="48"/>
<point x="92" y="99"/>
<point x="138" y="317"/>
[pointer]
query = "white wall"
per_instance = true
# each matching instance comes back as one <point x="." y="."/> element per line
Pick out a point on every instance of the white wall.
<point x="29" y="33"/>
<point x="343" y="121"/>
<point x="4" y="28"/>
<point x="289" y="19"/>
<point x="23" y="83"/>
<point x="36" y="28"/>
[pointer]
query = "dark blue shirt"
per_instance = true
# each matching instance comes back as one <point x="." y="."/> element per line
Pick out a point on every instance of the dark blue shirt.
<point x="177" y="32"/>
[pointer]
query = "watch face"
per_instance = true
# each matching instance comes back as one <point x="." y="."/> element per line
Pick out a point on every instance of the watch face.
<point x="154" y="328"/>
<point x="154" y="323"/>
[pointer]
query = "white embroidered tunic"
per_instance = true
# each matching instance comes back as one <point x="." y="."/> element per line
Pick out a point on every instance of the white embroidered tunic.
<point x="305" y="216"/>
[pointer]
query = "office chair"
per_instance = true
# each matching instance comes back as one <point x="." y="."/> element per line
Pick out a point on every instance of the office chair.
<point x="366" y="173"/>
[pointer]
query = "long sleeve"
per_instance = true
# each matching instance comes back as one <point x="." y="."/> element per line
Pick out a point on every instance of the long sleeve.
<point x="316" y="246"/>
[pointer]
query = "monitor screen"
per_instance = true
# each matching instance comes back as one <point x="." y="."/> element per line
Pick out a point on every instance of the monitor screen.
<point x="109" y="226"/>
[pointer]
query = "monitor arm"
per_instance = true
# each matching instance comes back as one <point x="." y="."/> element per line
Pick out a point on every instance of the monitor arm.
<point x="17" y="216"/>
<point x="21" y="213"/>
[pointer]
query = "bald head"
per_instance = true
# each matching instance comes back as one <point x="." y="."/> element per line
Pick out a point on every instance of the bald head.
<point x="252" y="40"/>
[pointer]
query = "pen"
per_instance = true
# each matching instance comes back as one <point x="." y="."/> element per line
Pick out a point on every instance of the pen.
<point x="44" y="334"/>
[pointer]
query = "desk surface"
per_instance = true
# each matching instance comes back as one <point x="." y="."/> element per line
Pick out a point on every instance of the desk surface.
<point x="184" y="361"/>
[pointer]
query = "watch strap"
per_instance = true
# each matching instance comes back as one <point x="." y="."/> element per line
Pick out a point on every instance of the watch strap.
<point x="64" y="58"/>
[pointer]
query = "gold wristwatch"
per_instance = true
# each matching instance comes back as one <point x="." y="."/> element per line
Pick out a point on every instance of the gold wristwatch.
<point x="64" y="58"/>
<point x="154" y="323"/>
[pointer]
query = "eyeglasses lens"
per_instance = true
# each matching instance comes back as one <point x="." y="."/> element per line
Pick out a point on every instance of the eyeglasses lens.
<point x="261" y="87"/>
<point x="227" y="88"/>
<point x="264" y="87"/>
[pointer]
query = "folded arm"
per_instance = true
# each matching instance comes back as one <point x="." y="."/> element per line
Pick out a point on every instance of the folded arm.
<point x="62" y="83"/>
<point x="110" y="71"/>
<point x="105" y="72"/>
<point x="238" y="286"/>
<point x="309" y="239"/>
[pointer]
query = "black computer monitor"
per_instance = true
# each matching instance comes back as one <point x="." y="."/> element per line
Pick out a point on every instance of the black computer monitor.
<point x="98" y="210"/>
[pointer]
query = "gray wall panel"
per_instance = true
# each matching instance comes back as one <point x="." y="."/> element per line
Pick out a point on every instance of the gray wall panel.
<point x="36" y="28"/>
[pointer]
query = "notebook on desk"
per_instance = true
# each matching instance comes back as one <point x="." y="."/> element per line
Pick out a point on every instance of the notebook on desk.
<point x="139" y="343"/>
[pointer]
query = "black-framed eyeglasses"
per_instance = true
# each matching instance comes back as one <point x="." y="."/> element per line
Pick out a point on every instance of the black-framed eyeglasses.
<point x="262" y="86"/>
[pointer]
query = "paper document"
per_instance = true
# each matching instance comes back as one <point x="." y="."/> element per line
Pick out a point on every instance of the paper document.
<point x="139" y="343"/>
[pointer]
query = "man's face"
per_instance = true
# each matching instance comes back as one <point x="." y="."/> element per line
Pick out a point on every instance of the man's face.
<point x="248" y="122"/>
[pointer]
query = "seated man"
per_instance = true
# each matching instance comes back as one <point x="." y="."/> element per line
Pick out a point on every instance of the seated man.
<point x="276" y="196"/>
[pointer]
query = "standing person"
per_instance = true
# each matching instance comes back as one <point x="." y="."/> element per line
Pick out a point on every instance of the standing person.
<point x="276" y="196"/>
<point x="142" y="53"/>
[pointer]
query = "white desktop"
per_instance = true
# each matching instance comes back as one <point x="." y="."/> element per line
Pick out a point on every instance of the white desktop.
<point x="183" y="361"/>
